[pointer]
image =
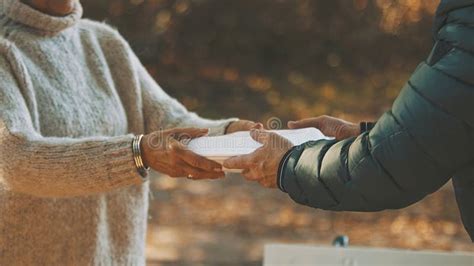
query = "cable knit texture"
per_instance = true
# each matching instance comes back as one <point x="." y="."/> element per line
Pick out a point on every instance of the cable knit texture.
<point x="72" y="95"/>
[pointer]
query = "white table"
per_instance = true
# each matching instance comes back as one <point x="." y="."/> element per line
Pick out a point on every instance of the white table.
<point x="302" y="255"/>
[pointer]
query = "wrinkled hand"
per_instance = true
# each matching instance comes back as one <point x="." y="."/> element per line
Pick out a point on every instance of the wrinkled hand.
<point x="166" y="152"/>
<point x="329" y="126"/>
<point x="262" y="165"/>
<point x="242" y="125"/>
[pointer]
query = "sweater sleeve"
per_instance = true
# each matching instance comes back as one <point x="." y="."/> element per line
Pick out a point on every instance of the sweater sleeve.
<point x="162" y="111"/>
<point x="56" y="167"/>
<point x="413" y="150"/>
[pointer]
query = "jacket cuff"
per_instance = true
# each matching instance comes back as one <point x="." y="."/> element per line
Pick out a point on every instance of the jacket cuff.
<point x="366" y="126"/>
<point x="300" y="173"/>
<point x="288" y="164"/>
<point x="281" y="168"/>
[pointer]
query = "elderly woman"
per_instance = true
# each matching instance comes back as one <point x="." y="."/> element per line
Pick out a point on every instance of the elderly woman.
<point x="74" y="101"/>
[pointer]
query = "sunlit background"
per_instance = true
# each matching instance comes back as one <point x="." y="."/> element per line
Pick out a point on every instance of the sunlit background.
<point x="290" y="59"/>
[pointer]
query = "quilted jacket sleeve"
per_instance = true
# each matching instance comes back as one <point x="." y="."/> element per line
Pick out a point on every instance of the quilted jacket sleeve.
<point x="414" y="149"/>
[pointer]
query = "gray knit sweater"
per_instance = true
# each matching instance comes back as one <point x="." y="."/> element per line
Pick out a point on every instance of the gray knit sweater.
<point x="72" y="94"/>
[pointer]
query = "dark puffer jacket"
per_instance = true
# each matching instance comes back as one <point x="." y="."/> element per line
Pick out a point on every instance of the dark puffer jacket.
<point x="415" y="148"/>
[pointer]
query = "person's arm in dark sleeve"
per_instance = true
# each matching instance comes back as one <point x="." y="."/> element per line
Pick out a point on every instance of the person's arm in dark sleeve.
<point x="411" y="152"/>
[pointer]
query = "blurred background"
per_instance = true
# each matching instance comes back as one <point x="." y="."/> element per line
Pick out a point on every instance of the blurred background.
<point x="290" y="59"/>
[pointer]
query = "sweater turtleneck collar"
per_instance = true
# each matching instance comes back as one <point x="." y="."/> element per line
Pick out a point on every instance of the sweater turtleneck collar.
<point x="24" y="14"/>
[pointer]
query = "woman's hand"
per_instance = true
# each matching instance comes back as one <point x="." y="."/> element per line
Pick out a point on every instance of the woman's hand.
<point x="242" y="125"/>
<point x="329" y="126"/>
<point x="166" y="152"/>
<point x="262" y="165"/>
